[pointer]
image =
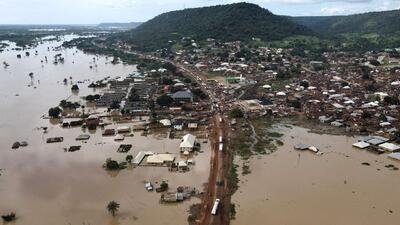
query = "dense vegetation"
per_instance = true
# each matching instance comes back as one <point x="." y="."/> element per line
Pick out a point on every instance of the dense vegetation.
<point x="235" y="22"/>
<point x="367" y="31"/>
<point x="386" y="22"/>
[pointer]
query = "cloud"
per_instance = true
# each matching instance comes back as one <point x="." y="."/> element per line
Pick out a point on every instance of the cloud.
<point x="332" y="10"/>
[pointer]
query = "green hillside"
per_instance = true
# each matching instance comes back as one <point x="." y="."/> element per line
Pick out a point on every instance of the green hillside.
<point x="240" y="21"/>
<point x="386" y="22"/>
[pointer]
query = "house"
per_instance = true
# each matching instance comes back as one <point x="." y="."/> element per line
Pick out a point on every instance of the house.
<point x="188" y="143"/>
<point x="183" y="96"/>
<point x="361" y="145"/>
<point x="92" y="120"/>
<point x="389" y="147"/>
<point x="123" y="129"/>
<point x="394" y="155"/>
<point x="160" y="159"/>
<point x="109" y="132"/>
<point x="178" y="125"/>
<point x="374" y="140"/>
<point x="165" y="122"/>
<point x="192" y="125"/>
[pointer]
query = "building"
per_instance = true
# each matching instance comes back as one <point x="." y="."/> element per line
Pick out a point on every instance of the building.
<point x="188" y="143"/>
<point x="389" y="147"/>
<point x="160" y="159"/>
<point x="182" y="96"/>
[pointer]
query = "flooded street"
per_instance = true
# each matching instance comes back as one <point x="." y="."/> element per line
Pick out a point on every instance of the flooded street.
<point x="43" y="184"/>
<point x="301" y="188"/>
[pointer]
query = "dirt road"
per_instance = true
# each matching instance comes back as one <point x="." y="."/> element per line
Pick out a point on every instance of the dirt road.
<point x="218" y="184"/>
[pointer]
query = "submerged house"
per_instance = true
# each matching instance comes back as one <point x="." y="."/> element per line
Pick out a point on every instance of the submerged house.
<point x="188" y="143"/>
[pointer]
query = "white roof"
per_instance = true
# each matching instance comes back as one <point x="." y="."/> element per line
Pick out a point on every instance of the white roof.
<point x="160" y="158"/>
<point x="119" y="137"/>
<point x="165" y="122"/>
<point x="280" y="93"/>
<point x="123" y="128"/>
<point x="384" y="124"/>
<point x="338" y="106"/>
<point x="390" y="147"/>
<point x="188" y="141"/>
<point x="267" y="86"/>
<point x="140" y="156"/>
<point x="361" y="144"/>
<point x="394" y="155"/>
<point x="182" y="164"/>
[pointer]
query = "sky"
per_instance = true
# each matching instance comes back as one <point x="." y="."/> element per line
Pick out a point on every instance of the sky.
<point x="97" y="11"/>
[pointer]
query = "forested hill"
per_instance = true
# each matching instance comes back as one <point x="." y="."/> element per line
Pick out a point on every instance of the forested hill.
<point x="240" y="21"/>
<point x="386" y="22"/>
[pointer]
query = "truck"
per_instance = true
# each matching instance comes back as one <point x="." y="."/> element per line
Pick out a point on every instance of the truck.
<point x="215" y="207"/>
<point x="220" y="139"/>
<point x="220" y="119"/>
<point x="221" y="147"/>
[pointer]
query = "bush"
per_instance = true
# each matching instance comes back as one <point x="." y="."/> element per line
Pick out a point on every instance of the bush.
<point x="112" y="164"/>
<point x="55" y="112"/>
<point x="164" y="100"/>
<point x="75" y="87"/>
<point x="114" y="105"/>
<point x="236" y="113"/>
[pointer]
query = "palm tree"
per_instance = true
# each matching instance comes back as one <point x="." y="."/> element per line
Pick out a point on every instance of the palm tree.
<point x="113" y="207"/>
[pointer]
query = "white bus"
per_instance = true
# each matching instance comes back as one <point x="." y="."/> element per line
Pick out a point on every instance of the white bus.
<point x="221" y="147"/>
<point x="215" y="207"/>
<point x="220" y="139"/>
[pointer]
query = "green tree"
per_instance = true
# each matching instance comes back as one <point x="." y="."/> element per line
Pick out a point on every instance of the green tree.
<point x="164" y="100"/>
<point x="129" y="158"/>
<point x="236" y="113"/>
<point x="113" y="207"/>
<point x="112" y="164"/>
<point x="114" y="105"/>
<point x="55" y="112"/>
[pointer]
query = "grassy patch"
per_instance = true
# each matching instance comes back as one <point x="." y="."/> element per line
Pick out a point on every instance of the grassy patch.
<point x="233" y="179"/>
<point x="275" y="134"/>
<point x="232" y="211"/>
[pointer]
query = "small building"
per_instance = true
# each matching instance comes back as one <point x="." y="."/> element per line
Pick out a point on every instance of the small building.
<point x="375" y="140"/>
<point x="389" y="147"/>
<point x="165" y="122"/>
<point x="192" y="125"/>
<point x="178" y="125"/>
<point x="123" y="129"/>
<point x="182" y="166"/>
<point x="82" y="137"/>
<point x="140" y="156"/>
<point x="188" y="143"/>
<point x="361" y="145"/>
<point x="395" y="155"/>
<point x="92" y="120"/>
<point x="109" y="132"/>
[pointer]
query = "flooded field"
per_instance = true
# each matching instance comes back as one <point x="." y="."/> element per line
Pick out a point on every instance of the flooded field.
<point x="291" y="187"/>
<point x="45" y="185"/>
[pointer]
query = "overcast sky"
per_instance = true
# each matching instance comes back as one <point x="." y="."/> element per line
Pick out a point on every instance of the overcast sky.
<point x="96" y="11"/>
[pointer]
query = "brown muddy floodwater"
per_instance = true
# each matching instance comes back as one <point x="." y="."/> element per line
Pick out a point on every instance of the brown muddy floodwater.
<point x="45" y="185"/>
<point x="300" y="188"/>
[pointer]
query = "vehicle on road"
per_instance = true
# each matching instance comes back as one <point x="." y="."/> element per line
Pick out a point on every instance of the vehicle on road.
<point x="215" y="207"/>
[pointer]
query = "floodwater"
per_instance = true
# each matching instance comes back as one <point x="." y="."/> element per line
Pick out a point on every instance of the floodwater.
<point x="45" y="185"/>
<point x="300" y="188"/>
